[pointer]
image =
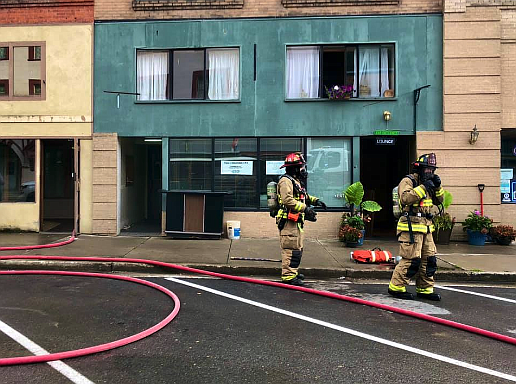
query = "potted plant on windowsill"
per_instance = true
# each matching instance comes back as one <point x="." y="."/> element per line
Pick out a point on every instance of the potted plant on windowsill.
<point x="443" y="222"/>
<point x="477" y="227"/>
<point x="339" y="92"/>
<point x="503" y="234"/>
<point x="350" y="236"/>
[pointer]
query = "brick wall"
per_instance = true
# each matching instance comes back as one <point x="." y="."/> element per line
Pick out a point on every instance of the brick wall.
<point x="123" y="9"/>
<point x="105" y="176"/>
<point x="479" y="81"/>
<point x="46" y="12"/>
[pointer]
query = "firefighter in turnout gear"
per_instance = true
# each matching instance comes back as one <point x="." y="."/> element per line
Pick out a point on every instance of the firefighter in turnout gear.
<point x="294" y="209"/>
<point x="418" y="193"/>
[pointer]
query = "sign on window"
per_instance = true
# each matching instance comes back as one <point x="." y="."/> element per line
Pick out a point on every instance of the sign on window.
<point x="273" y="168"/>
<point x="236" y="168"/>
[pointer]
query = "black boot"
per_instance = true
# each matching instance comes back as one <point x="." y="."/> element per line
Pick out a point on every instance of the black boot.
<point x="300" y="276"/>
<point x="429" y="296"/>
<point x="402" y="295"/>
<point x="295" y="281"/>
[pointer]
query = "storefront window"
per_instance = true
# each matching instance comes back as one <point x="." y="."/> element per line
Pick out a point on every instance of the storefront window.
<point x="329" y="169"/>
<point x="190" y="164"/>
<point x="236" y="170"/>
<point x="17" y="183"/>
<point x="508" y="166"/>
<point x="244" y="166"/>
<point x="272" y="155"/>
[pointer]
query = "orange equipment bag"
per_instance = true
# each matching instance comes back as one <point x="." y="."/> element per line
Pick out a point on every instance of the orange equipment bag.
<point x="375" y="255"/>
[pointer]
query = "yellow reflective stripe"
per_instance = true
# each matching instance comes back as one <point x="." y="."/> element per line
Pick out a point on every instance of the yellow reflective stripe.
<point x="427" y="203"/>
<point x="420" y="191"/>
<point x="313" y="200"/>
<point x="395" y="288"/>
<point x="298" y="207"/>
<point x="404" y="227"/>
<point x="425" y="290"/>
<point x="289" y="277"/>
<point x="439" y="192"/>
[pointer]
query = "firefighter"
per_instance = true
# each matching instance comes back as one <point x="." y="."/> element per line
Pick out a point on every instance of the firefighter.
<point x="418" y="193"/>
<point x="294" y="209"/>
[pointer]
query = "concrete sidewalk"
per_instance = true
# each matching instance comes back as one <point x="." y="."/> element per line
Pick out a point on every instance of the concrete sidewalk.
<point x="321" y="258"/>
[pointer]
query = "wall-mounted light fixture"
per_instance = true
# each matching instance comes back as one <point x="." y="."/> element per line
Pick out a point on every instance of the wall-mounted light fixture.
<point x="474" y="135"/>
<point x="386" y="115"/>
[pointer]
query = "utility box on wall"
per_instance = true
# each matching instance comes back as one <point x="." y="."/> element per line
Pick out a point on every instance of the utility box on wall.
<point x="194" y="214"/>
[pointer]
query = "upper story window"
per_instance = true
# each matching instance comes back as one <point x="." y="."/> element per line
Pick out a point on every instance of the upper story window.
<point x="366" y="70"/>
<point x="188" y="74"/>
<point x="22" y="71"/>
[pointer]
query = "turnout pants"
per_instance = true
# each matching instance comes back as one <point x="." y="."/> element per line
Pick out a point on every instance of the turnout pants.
<point x="291" y="243"/>
<point x="418" y="262"/>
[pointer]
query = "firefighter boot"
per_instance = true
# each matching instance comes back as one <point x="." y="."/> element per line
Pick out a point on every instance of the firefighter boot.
<point x="401" y="295"/>
<point x="429" y="296"/>
<point x="295" y="281"/>
<point x="300" y="276"/>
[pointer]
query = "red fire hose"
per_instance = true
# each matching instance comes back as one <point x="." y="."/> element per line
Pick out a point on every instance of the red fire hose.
<point x="453" y="324"/>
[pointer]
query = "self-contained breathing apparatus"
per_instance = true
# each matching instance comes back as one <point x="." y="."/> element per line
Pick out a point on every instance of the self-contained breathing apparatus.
<point x="425" y="166"/>
<point x="274" y="205"/>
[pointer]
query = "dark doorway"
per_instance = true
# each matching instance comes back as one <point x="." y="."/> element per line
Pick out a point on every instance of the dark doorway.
<point x="57" y="203"/>
<point x="381" y="169"/>
<point x="141" y="192"/>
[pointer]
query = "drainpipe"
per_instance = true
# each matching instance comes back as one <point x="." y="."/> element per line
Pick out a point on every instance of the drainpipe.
<point x="417" y="92"/>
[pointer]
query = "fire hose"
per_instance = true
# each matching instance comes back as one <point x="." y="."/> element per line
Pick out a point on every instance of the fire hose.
<point x="105" y="347"/>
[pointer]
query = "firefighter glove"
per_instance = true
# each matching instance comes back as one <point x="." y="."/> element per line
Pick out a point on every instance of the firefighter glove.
<point x="437" y="181"/>
<point x="310" y="214"/>
<point x="429" y="185"/>
<point x="319" y="203"/>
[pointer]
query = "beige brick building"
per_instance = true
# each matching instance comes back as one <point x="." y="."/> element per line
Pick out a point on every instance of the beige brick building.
<point x="479" y="86"/>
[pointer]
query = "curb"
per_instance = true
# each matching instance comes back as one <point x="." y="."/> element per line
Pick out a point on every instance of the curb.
<point x="319" y="273"/>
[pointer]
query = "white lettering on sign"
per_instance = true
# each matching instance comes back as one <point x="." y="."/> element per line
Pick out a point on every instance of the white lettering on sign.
<point x="236" y="168"/>
<point x="386" y="141"/>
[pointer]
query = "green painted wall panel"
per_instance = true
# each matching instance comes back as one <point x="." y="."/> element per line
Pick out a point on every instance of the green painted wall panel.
<point x="262" y="110"/>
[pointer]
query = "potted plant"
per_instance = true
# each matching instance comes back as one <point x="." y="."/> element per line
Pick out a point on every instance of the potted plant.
<point x="350" y="236"/>
<point x="339" y="92"/>
<point x="443" y="222"/>
<point x="503" y="234"/>
<point x="355" y="222"/>
<point x="477" y="227"/>
<point x="354" y="195"/>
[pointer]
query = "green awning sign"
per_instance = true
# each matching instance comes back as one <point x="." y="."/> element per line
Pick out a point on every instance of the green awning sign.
<point x="386" y="133"/>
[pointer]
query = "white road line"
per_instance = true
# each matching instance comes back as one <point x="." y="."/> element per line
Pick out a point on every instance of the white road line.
<point x="58" y="365"/>
<point x="351" y="331"/>
<point x="476" y="294"/>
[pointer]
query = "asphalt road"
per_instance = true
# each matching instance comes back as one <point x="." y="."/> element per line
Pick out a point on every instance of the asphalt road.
<point x="276" y="336"/>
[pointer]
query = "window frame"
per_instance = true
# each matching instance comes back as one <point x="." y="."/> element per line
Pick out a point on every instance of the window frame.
<point x="42" y="60"/>
<point x="170" y="84"/>
<point x="345" y="46"/>
<point x="259" y="176"/>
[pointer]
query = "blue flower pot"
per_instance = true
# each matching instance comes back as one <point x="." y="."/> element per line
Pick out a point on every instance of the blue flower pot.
<point x="476" y="237"/>
<point x="361" y="240"/>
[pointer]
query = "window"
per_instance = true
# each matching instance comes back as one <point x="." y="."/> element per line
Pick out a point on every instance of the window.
<point x="328" y="166"/>
<point x="195" y="74"/>
<point x="508" y="166"/>
<point x="367" y="69"/>
<point x="17" y="170"/>
<point x="244" y="166"/>
<point x="191" y="164"/>
<point x="22" y="71"/>
<point x="236" y="170"/>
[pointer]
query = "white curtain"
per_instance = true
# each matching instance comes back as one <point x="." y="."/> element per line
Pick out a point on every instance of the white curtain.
<point x="224" y="77"/>
<point x="384" y="70"/>
<point x="369" y="79"/>
<point x="302" y="72"/>
<point x="151" y="75"/>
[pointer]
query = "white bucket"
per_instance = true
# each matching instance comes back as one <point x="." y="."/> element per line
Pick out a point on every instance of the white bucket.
<point x="233" y="230"/>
